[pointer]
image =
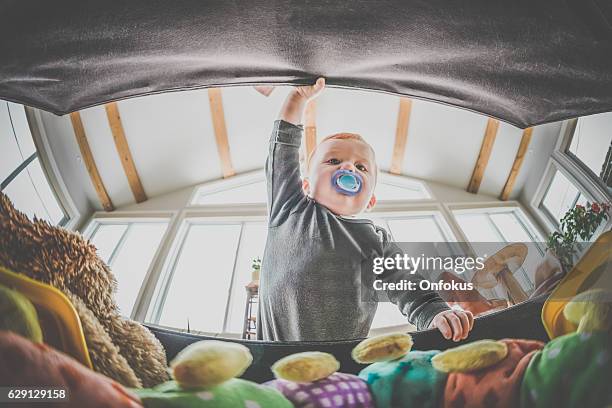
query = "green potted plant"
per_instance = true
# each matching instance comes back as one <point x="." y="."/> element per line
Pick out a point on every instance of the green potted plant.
<point x="578" y="224"/>
<point x="256" y="265"/>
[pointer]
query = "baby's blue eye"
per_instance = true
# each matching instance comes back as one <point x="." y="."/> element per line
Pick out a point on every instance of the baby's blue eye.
<point x="333" y="161"/>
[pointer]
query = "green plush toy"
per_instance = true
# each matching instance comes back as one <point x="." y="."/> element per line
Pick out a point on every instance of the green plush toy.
<point x="574" y="370"/>
<point x="236" y="393"/>
<point x="17" y="314"/>
<point x="204" y="376"/>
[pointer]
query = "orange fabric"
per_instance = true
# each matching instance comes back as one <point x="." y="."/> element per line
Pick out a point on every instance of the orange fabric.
<point x="496" y="386"/>
<point x="23" y="363"/>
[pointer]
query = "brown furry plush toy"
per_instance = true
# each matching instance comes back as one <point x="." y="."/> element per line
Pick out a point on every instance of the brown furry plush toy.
<point x="119" y="348"/>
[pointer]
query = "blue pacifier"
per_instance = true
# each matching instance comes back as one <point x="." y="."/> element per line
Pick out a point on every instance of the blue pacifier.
<point x="347" y="182"/>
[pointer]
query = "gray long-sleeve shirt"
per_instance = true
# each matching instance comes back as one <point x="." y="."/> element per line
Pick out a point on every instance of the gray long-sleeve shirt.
<point x="312" y="287"/>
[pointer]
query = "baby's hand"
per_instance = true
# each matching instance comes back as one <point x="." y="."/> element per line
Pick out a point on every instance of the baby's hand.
<point x="310" y="91"/>
<point x="455" y="324"/>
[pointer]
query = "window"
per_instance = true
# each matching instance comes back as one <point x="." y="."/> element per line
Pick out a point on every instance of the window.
<point x="560" y="197"/>
<point x="579" y="170"/>
<point x="21" y="174"/>
<point x="128" y="248"/>
<point x="251" y="189"/>
<point x="591" y="144"/>
<point x="421" y="226"/>
<point x="503" y="226"/>
<point x="203" y="286"/>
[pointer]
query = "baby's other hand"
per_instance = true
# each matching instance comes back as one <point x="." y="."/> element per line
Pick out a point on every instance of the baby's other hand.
<point x="455" y="324"/>
<point x="310" y="91"/>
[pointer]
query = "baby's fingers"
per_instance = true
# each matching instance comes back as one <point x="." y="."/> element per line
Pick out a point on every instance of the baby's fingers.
<point x="456" y="325"/>
<point x="465" y="323"/>
<point x="442" y="324"/>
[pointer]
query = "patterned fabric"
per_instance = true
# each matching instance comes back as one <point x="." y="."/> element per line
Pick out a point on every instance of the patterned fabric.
<point x="27" y="364"/>
<point x="337" y="390"/>
<point x="408" y="382"/>
<point x="571" y="371"/>
<point x="497" y="386"/>
<point x="235" y="393"/>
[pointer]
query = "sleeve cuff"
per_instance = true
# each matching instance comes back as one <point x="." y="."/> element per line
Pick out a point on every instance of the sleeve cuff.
<point x="287" y="133"/>
<point x="429" y="312"/>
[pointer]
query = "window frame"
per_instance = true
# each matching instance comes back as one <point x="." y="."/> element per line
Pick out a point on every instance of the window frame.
<point x="121" y="218"/>
<point x="48" y="167"/>
<point x="576" y="172"/>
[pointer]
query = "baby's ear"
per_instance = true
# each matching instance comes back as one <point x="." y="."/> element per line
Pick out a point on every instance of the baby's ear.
<point x="306" y="185"/>
<point x="372" y="202"/>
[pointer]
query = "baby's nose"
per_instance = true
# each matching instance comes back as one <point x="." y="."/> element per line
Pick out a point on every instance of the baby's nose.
<point x="347" y="166"/>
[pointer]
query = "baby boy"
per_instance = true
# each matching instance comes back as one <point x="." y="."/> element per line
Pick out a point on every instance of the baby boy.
<point x="311" y="286"/>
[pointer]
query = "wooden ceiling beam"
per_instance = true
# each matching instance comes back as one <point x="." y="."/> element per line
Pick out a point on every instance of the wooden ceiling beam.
<point x="220" y="129"/>
<point x="401" y="135"/>
<point x="483" y="157"/>
<point x="310" y="130"/>
<point x="516" y="166"/>
<point x="88" y="160"/>
<point x="123" y="149"/>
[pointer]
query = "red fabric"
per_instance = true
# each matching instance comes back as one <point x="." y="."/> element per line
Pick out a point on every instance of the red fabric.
<point x="496" y="386"/>
<point x="23" y="363"/>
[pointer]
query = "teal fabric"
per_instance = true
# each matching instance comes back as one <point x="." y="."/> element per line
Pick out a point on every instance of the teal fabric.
<point x="235" y="393"/>
<point x="574" y="370"/>
<point x="407" y="382"/>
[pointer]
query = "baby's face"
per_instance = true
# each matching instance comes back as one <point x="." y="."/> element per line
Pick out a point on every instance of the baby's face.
<point x="335" y="154"/>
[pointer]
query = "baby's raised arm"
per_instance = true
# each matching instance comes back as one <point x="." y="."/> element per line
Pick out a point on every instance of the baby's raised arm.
<point x="283" y="165"/>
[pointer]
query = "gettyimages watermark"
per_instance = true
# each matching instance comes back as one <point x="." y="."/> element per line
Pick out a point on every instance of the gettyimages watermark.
<point x="481" y="272"/>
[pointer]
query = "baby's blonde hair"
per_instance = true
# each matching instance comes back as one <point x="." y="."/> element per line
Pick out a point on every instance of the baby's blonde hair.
<point x="343" y="136"/>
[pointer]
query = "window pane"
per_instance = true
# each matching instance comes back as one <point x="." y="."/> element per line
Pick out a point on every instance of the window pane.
<point x="504" y="227"/>
<point x="31" y="193"/>
<point x="250" y="193"/>
<point x="252" y="246"/>
<point x="510" y="227"/>
<point x="199" y="287"/>
<point x="477" y="228"/>
<point x="22" y="129"/>
<point x="592" y="139"/>
<point x="386" y="192"/>
<point x="10" y="157"/>
<point x="387" y="314"/>
<point x="560" y="197"/>
<point x="106" y="237"/>
<point x="416" y="229"/>
<point x="513" y="231"/>
<point x="49" y="201"/>
<point x="132" y="261"/>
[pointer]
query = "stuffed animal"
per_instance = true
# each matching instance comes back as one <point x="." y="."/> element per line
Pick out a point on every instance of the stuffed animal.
<point x="310" y="379"/>
<point x="491" y="374"/>
<point x="574" y="370"/>
<point x="118" y="347"/>
<point x="27" y="364"/>
<point x="482" y="373"/>
<point x="204" y="376"/>
<point x="18" y="314"/>
<point x="208" y="363"/>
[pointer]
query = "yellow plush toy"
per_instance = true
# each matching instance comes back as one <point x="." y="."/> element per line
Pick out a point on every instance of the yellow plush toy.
<point x="205" y="377"/>
<point x="591" y="311"/>
<point x="469" y="357"/>
<point x="386" y="347"/>
<point x="306" y="367"/>
<point x="209" y="363"/>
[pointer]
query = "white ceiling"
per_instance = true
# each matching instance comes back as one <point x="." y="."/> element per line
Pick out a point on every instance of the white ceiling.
<point x="172" y="141"/>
